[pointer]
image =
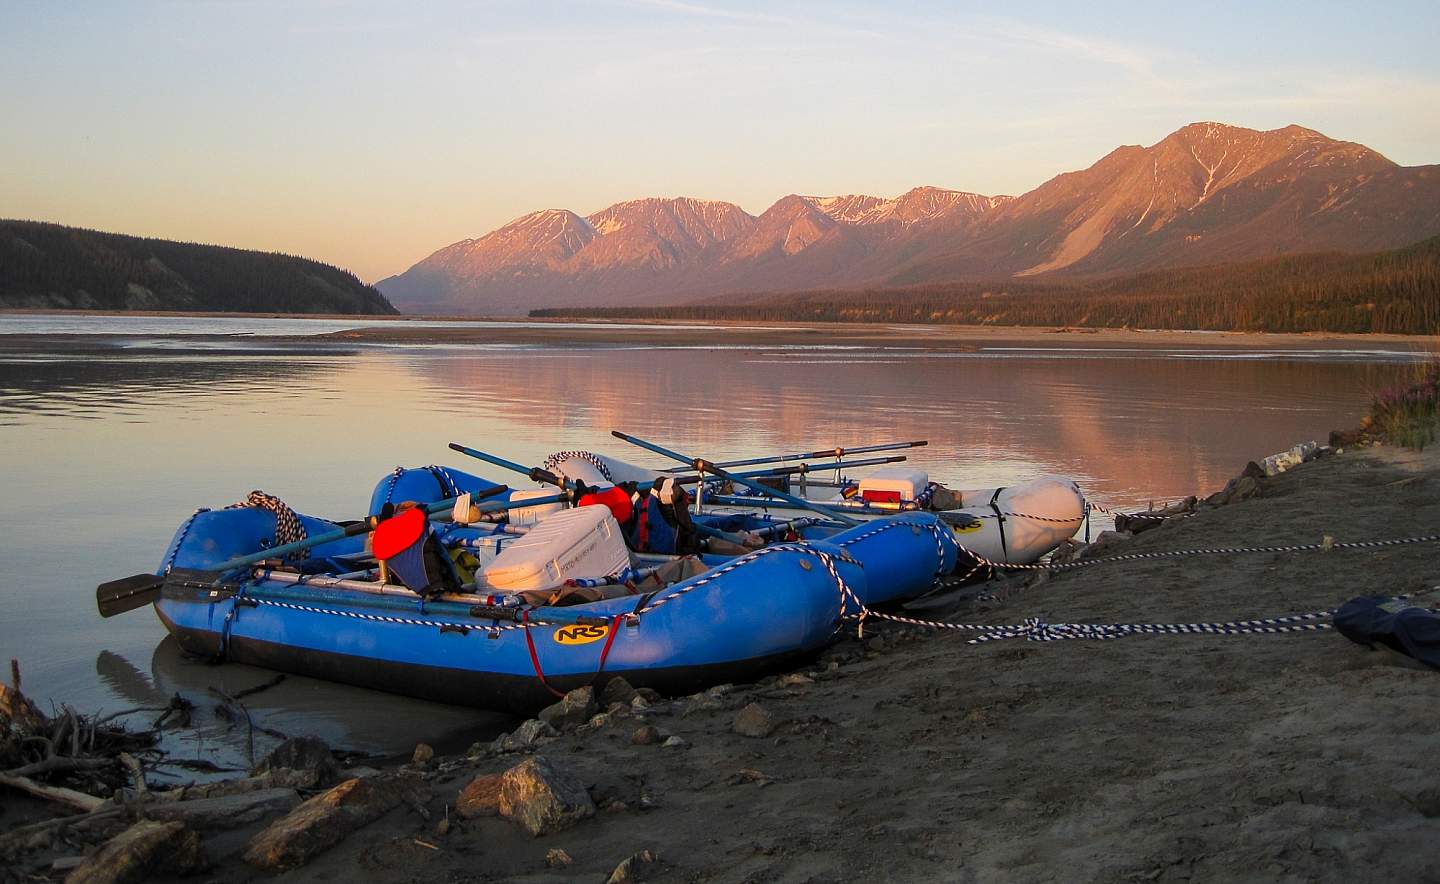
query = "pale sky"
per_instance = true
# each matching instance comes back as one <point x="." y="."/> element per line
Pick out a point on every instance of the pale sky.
<point x="369" y="135"/>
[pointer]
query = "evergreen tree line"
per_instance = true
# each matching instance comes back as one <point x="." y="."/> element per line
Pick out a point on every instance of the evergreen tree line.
<point x="1395" y="292"/>
<point x="54" y="266"/>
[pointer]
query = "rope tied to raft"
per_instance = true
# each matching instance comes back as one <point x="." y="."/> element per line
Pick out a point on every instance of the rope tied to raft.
<point x="826" y="559"/>
<point x="288" y="527"/>
<point x="559" y="457"/>
<point x="1153" y="513"/>
<point x="1182" y="553"/>
<point x="180" y="539"/>
<point x="1037" y="630"/>
<point x="447" y="485"/>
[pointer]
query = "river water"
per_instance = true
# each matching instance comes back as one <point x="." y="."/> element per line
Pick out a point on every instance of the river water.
<point x="105" y="453"/>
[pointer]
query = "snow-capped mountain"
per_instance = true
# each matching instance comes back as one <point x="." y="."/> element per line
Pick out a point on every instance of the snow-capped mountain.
<point x="1206" y="193"/>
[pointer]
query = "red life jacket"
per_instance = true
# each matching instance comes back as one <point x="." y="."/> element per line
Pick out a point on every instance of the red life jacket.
<point x="614" y="498"/>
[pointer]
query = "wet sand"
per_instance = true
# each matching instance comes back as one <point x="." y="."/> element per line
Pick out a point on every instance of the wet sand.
<point x="914" y="756"/>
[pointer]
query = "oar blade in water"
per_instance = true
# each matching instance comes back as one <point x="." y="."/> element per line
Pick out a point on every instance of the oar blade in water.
<point x="127" y="593"/>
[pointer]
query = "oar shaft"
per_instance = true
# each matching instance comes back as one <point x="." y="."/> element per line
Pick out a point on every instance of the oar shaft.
<point x="535" y="473"/>
<point x="828" y="506"/>
<point x="803" y="468"/>
<point x="836" y="452"/>
<point x="702" y="466"/>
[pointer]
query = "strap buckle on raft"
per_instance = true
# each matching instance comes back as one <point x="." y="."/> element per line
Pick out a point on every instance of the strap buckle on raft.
<point x="535" y="656"/>
<point x="494" y="612"/>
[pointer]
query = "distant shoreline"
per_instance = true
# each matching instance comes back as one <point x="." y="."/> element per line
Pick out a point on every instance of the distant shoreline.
<point x="953" y="338"/>
<point x="378" y="330"/>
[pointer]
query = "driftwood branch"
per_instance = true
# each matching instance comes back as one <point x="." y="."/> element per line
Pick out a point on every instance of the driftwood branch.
<point x="249" y="723"/>
<point x="59" y="764"/>
<point x="68" y="797"/>
<point x="200" y="764"/>
<point x="123" y="712"/>
<point x="22" y="834"/>
<point x="135" y="771"/>
<point x="180" y="708"/>
<point x="261" y="687"/>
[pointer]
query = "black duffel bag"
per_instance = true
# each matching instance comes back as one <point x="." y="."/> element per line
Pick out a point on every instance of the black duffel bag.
<point x="1398" y="625"/>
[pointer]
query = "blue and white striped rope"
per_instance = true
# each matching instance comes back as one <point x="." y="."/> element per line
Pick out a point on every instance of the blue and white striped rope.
<point x="1213" y="551"/>
<point x="942" y="538"/>
<point x="390" y="618"/>
<point x="180" y="541"/>
<point x="1037" y="630"/>
<point x="448" y="486"/>
<point x="923" y="501"/>
<point x="559" y="457"/>
<point x="825" y="558"/>
<point x="390" y="486"/>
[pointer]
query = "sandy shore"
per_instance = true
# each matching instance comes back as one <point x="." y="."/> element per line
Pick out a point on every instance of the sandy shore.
<point x="914" y="756"/>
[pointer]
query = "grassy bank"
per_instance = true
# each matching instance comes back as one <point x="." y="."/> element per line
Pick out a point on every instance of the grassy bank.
<point x="1409" y="414"/>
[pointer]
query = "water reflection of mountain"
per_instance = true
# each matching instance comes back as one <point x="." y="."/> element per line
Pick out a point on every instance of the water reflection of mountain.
<point x="1132" y="426"/>
<point x="124" y="385"/>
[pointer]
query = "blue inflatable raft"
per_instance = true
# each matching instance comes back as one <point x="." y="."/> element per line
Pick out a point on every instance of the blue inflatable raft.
<point x="328" y="617"/>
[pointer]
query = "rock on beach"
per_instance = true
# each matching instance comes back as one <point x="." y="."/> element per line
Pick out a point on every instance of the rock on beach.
<point x="309" y="758"/>
<point x="574" y="710"/>
<point x="147" y="849"/>
<point x="323" y="821"/>
<point x="754" y="721"/>
<point x="542" y="798"/>
<point x="480" y="797"/>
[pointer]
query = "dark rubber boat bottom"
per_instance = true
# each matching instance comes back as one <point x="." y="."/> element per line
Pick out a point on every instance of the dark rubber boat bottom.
<point x="517" y="694"/>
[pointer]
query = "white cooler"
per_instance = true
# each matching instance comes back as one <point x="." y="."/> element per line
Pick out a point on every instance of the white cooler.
<point x="894" y="485"/>
<point x="581" y="542"/>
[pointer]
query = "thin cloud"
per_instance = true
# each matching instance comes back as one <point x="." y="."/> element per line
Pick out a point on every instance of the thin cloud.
<point x="713" y="12"/>
<point x="1084" y="46"/>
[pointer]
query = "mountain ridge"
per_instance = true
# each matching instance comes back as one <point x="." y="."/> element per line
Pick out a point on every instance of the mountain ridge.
<point x="54" y="266"/>
<point x="1206" y="193"/>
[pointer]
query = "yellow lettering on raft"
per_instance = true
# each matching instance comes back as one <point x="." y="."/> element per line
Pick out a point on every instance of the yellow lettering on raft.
<point x="580" y="634"/>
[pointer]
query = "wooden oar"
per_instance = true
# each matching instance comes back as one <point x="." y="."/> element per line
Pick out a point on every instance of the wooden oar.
<point x="836" y="452"/>
<point x="139" y="590"/>
<point x="700" y="465"/>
